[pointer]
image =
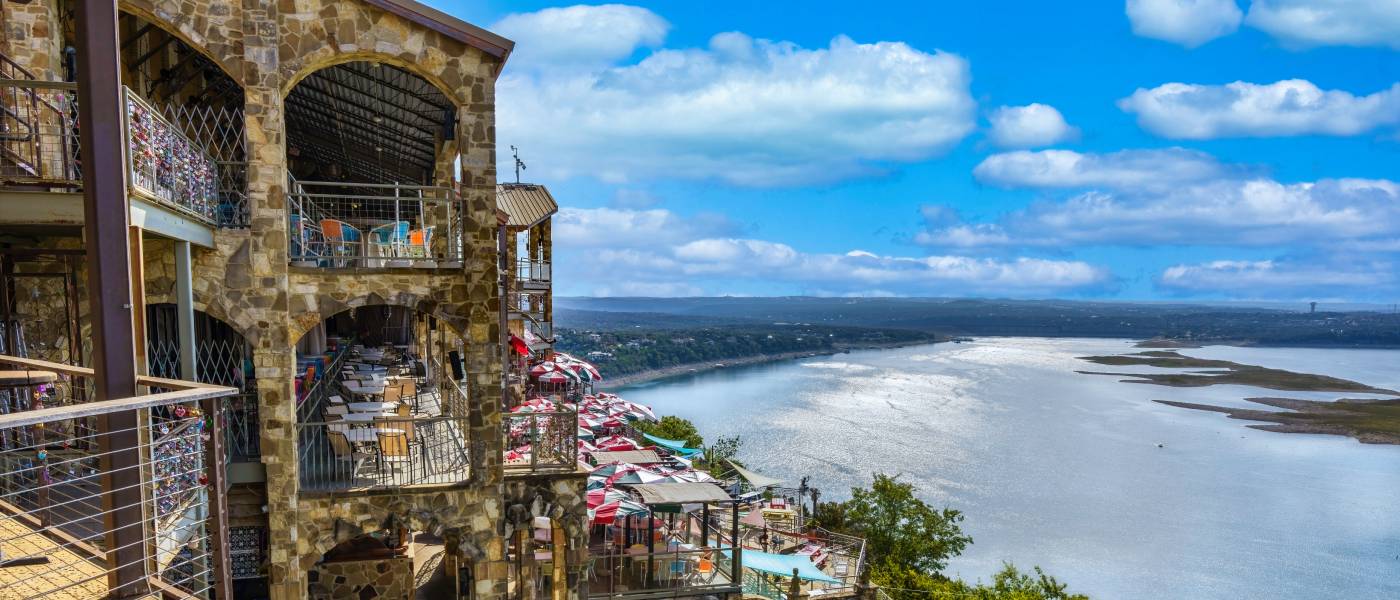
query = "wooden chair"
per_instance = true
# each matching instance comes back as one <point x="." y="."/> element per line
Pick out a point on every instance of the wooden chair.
<point x="344" y="452"/>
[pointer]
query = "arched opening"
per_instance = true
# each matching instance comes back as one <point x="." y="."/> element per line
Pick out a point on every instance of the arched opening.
<point x="537" y="561"/>
<point x="370" y="155"/>
<point x="178" y="94"/>
<point x="381" y="401"/>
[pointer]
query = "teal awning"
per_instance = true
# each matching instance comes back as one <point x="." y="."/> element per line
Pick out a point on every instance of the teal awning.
<point x="783" y="564"/>
<point x="673" y="445"/>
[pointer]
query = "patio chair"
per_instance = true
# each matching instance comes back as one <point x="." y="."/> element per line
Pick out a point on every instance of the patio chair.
<point x="345" y="453"/>
<point x="393" y="451"/>
<point x="389" y="238"/>
<point x="341" y="237"/>
<point x="420" y="243"/>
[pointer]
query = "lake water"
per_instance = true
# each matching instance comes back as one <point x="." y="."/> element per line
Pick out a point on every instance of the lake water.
<point x="1062" y="470"/>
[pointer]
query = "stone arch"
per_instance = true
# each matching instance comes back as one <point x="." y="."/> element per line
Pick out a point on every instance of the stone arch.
<point x="201" y="24"/>
<point x="331" y="305"/>
<point x="332" y="60"/>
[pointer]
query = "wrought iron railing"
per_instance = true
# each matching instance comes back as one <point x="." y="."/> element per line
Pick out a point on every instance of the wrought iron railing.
<point x="341" y="224"/>
<point x="72" y="475"/>
<point x="541" y="441"/>
<point x="38" y="129"/>
<point x="166" y="166"/>
<point x="385" y="453"/>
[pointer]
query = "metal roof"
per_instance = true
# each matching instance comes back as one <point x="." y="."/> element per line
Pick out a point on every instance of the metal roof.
<point x="527" y="204"/>
<point x="367" y="121"/>
<point x="636" y="457"/>
<point x="679" y="493"/>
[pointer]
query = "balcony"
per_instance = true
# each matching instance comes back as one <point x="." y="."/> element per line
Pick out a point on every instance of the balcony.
<point x="415" y="433"/>
<point x="533" y="275"/>
<point x="66" y="475"/>
<point x="543" y="441"/>
<point x="171" y="179"/>
<point x="374" y="226"/>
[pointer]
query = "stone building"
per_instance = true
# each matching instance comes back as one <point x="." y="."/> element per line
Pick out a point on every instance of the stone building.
<point x="308" y="179"/>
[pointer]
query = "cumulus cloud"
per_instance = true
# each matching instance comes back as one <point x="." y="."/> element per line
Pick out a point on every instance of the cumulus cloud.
<point x="1307" y="23"/>
<point x="1241" y="109"/>
<point x="681" y="261"/>
<point x="746" y="111"/>
<point x="580" y="36"/>
<point x="1186" y="22"/>
<point x="1187" y="199"/>
<point x="1274" y="279"/>
<point x="624" y="227"/>
<point x="1029" y="126"/>
<point x="1127" y="169"/>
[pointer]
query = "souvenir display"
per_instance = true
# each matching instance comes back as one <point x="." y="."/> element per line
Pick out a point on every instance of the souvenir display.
<point x="168" y="165"/>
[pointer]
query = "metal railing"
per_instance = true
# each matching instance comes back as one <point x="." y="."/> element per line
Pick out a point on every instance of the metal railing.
<point x="243" y="440"/>
<point x="38" y="129"/>
<point x="389" y="452"/>
<point x="165" y="166"/>
<point x="341" y="224"/>
<point x="533" y="271"/>
<point x="619" y="573"/>
<point x="68" y="471"/>
<point x="541" y="441"/>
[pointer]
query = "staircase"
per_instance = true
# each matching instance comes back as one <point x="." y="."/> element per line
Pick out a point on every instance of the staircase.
<point x="38" y="129"/>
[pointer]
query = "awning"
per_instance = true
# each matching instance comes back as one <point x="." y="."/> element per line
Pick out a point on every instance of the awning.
<point x="636" y="457"/>
<point x="783" y="564"/>
<point x="754" y="479"/>
<point x="679" y="493"/>
<point x="519" y="345"/>
<point x="676" y="446"/>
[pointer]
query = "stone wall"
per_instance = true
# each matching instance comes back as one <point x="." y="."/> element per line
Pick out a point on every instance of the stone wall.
<point x="33" y="38"/>
<point x="382" y="579"/>
<point x="562" y="498"/>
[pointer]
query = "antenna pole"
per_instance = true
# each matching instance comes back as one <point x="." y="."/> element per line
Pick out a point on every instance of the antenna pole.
<point x="519" y="164"/>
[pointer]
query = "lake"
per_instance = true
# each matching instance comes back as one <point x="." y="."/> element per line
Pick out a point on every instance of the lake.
<point x="1063" y="470"/>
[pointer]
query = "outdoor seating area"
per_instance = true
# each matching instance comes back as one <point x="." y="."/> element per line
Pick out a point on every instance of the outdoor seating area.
<point x="378" y="421"/>
<point x="338" y="224"/>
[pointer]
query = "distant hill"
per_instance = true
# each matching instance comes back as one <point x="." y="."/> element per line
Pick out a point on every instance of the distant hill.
<point x="972" y="317"/>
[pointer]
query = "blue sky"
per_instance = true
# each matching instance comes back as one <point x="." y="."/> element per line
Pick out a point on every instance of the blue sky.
<point x="1153" y="149"/>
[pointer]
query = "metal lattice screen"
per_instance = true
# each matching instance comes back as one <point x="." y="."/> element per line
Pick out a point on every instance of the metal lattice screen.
<point x="220" y="130"/>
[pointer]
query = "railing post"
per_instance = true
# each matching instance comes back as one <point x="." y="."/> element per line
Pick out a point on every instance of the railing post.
<point x="109" y="284"/>
<point x="218" y="499"/>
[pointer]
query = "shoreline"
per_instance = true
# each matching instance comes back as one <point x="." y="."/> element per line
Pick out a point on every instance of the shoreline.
<point x="705" y="367"/>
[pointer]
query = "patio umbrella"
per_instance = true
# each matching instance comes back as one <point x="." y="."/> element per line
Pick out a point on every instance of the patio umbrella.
<point x="553" y="377"/>
<point x="584" y="433"/>
<point x="544" y="367"/>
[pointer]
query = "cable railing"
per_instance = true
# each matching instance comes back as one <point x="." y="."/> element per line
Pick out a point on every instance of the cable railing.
<point x="364" y="225"/>
<point x="387" y="452"/>
<point x="541" y="441"/>
<point x="623" y="572"/>
<point x="166" y="166"/>
<point x="72" y="476"/>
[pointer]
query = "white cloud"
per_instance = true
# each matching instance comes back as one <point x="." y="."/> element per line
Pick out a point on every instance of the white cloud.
<point x="1127" y="169"/>
<point x="1029" y="126"/>
<point x="659" y="257"/>
<point x="745" y="111"/>
<point x="1307" y="23"/>
<point x="1276" y="279"/>
<point x="1241" y="109"/>
<point x="1331" y="213"/>
<point x="580" y="35"/>
<point x="1186" y="22"/>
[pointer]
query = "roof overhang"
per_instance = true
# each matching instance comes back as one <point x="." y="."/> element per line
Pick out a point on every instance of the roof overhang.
<point x="450" y="26"/>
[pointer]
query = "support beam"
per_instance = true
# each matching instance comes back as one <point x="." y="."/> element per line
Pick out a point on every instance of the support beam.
<point x="109" y="291"/>
<point x="184" y="309"/>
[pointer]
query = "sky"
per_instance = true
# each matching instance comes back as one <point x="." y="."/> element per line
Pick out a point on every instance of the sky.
<point x="1142" y="150"/>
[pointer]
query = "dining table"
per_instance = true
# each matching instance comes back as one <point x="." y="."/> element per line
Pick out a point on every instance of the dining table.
<point x="366" y="435"/>
<point x="372" y="407"/>
<point x="364" y="388"/>
<point x="367" y="417"/>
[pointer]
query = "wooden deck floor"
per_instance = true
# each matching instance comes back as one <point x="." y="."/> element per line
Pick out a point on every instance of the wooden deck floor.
<point x="69" y="574"/>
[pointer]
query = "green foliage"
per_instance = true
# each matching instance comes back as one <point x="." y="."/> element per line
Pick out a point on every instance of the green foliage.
<point x="901" y="530"/>
<point x="717" y="456"/>
<point x="909" y="542"/>
<point x="672" y="427"/>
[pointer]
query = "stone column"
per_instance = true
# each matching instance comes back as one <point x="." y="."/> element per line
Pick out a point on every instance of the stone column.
<point x="476" y="139"/>
<point x="265" y="277"/>
<point x="34" y="39"/>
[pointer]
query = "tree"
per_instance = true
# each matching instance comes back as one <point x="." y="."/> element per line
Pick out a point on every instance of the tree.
<point x="672" y="427"/>
<point x="902" y="530"/>
<point x="717" y="456"/>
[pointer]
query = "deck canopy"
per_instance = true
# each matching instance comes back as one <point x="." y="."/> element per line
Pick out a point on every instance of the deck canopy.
<point x="367" y="122"/>
<point x="680" y="493"/>
<point x="754" y="479"/>
<point x="636" y="457"/>
<point x="784" y="564"/>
